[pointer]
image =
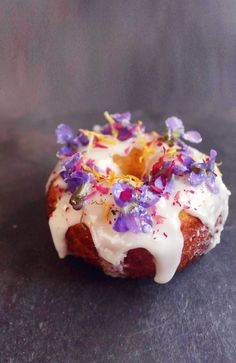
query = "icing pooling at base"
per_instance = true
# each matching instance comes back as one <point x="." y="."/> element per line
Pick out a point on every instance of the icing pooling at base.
<point x="164" y="241"/>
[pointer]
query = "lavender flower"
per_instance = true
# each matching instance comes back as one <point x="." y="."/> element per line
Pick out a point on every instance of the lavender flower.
<point x="175" y="130"/>
<point x="65" y="136"/>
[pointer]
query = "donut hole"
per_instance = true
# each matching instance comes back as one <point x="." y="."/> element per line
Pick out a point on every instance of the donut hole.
<point x="132" y="163"/>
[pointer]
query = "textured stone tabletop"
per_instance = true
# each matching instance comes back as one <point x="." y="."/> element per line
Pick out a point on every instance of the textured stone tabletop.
<point x="54" y="310"/>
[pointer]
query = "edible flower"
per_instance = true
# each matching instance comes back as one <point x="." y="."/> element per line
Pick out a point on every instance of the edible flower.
<point x="134" y="197"/>
<point x="162" y="176"/>
<point x="77" y="180"/>
<point x="123" y="118"/>
<point x="175" y="130"/>
<point x="120" y="125"/>
<point x="204" y="172"/>
<point x="133" y="203"/>
<point x="66" y="137"/>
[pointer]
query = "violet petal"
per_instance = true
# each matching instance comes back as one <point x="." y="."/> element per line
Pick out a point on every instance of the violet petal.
<point x="82" y="138"/>
<point x="106" y="130"/>
<point x="138" y="220"/>
<point x="133" y="221"/>
<point x="170" y="186"/>
<point x="147" y="197"/>
<point x="196" y="178"/>
<point x="174" y="123"/>
<point x="120" y="224"/>
<point x="65" y="151"/>
<point x="76" y="179"/>
<point x="117" y="189"/>
<point x="64" y="134"/>
<point x="180" y="170"/>
<point x="123" y="118"/>
<point x="124" y="134"/>
<point x="159" y="183"/>
<point x="192" y="136"/>
<point x="213" y="155"/>
<point x="211" y="183"/>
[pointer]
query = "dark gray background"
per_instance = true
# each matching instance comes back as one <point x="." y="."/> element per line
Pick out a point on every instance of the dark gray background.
<point x="69" y="61"/>
<point x="63" y="56"/>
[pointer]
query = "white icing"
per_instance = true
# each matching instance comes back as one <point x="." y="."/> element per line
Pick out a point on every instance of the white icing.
<point x="164" y="242"/>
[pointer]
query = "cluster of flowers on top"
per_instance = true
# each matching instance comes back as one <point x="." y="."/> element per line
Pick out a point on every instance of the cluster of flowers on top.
<point x="134" y="201"/>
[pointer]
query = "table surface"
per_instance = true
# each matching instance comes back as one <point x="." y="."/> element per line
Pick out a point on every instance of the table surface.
<point x="54" y="310"/>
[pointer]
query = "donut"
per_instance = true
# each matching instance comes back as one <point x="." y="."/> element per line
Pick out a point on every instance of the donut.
<point x="135" y="203"/>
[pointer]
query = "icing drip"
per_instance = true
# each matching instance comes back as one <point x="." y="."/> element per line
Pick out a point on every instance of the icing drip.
<point x="164" y="241"/>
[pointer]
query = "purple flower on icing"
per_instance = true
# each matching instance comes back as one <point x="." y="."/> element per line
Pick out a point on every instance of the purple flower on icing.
<point x="133" y="203"/>
<point x="165" y="185"/>
<point x="106" y="130"/>
<point x="162" y="176"/>
<point x="147" y="198"/>
<point x="65" y="136"/>
<point x="122" y="125"/>
<point x="77" y="179"/>
<point x="175" y="130"/>
<point x="120" y="224"/>
<point x="69" y="166"/>
<point x="204" y="172"/>
<point x="136" y="220"/>
<point x="185" y="167"/>
<point x="125" y="133"/>
<point x="72" y="173"/>
<point x="123" y="194"/>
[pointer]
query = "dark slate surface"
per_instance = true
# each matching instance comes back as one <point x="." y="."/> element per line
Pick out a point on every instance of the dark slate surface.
<point x="55" y="310"/>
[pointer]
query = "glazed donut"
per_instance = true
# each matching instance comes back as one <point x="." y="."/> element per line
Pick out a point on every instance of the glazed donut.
<point x="134" y="203"/>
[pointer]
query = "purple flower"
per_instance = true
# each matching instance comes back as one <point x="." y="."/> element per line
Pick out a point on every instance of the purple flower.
<point x="137" y="220"/>
<point x="175" y="130"/>
<point x="77" y="180"/>
<point x="162" y="173"/>
<point x="123" y="127"/>
<point x="165" y="185"/>
<point x="204" y="172"/>
<point x="185" y="167"/>
<point x="120" y="224"/>
<point x="70" y="165"/>
<point x="106" y="130"/>
<point x="147" y="198"/>
<point x="65" y="136"/>
<point x="133" y="203"/>
<point x="123" y="118"/>
<point x="125" y="133"/>
<point x="123" y="194"/>
<point x="72" y="173"/>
